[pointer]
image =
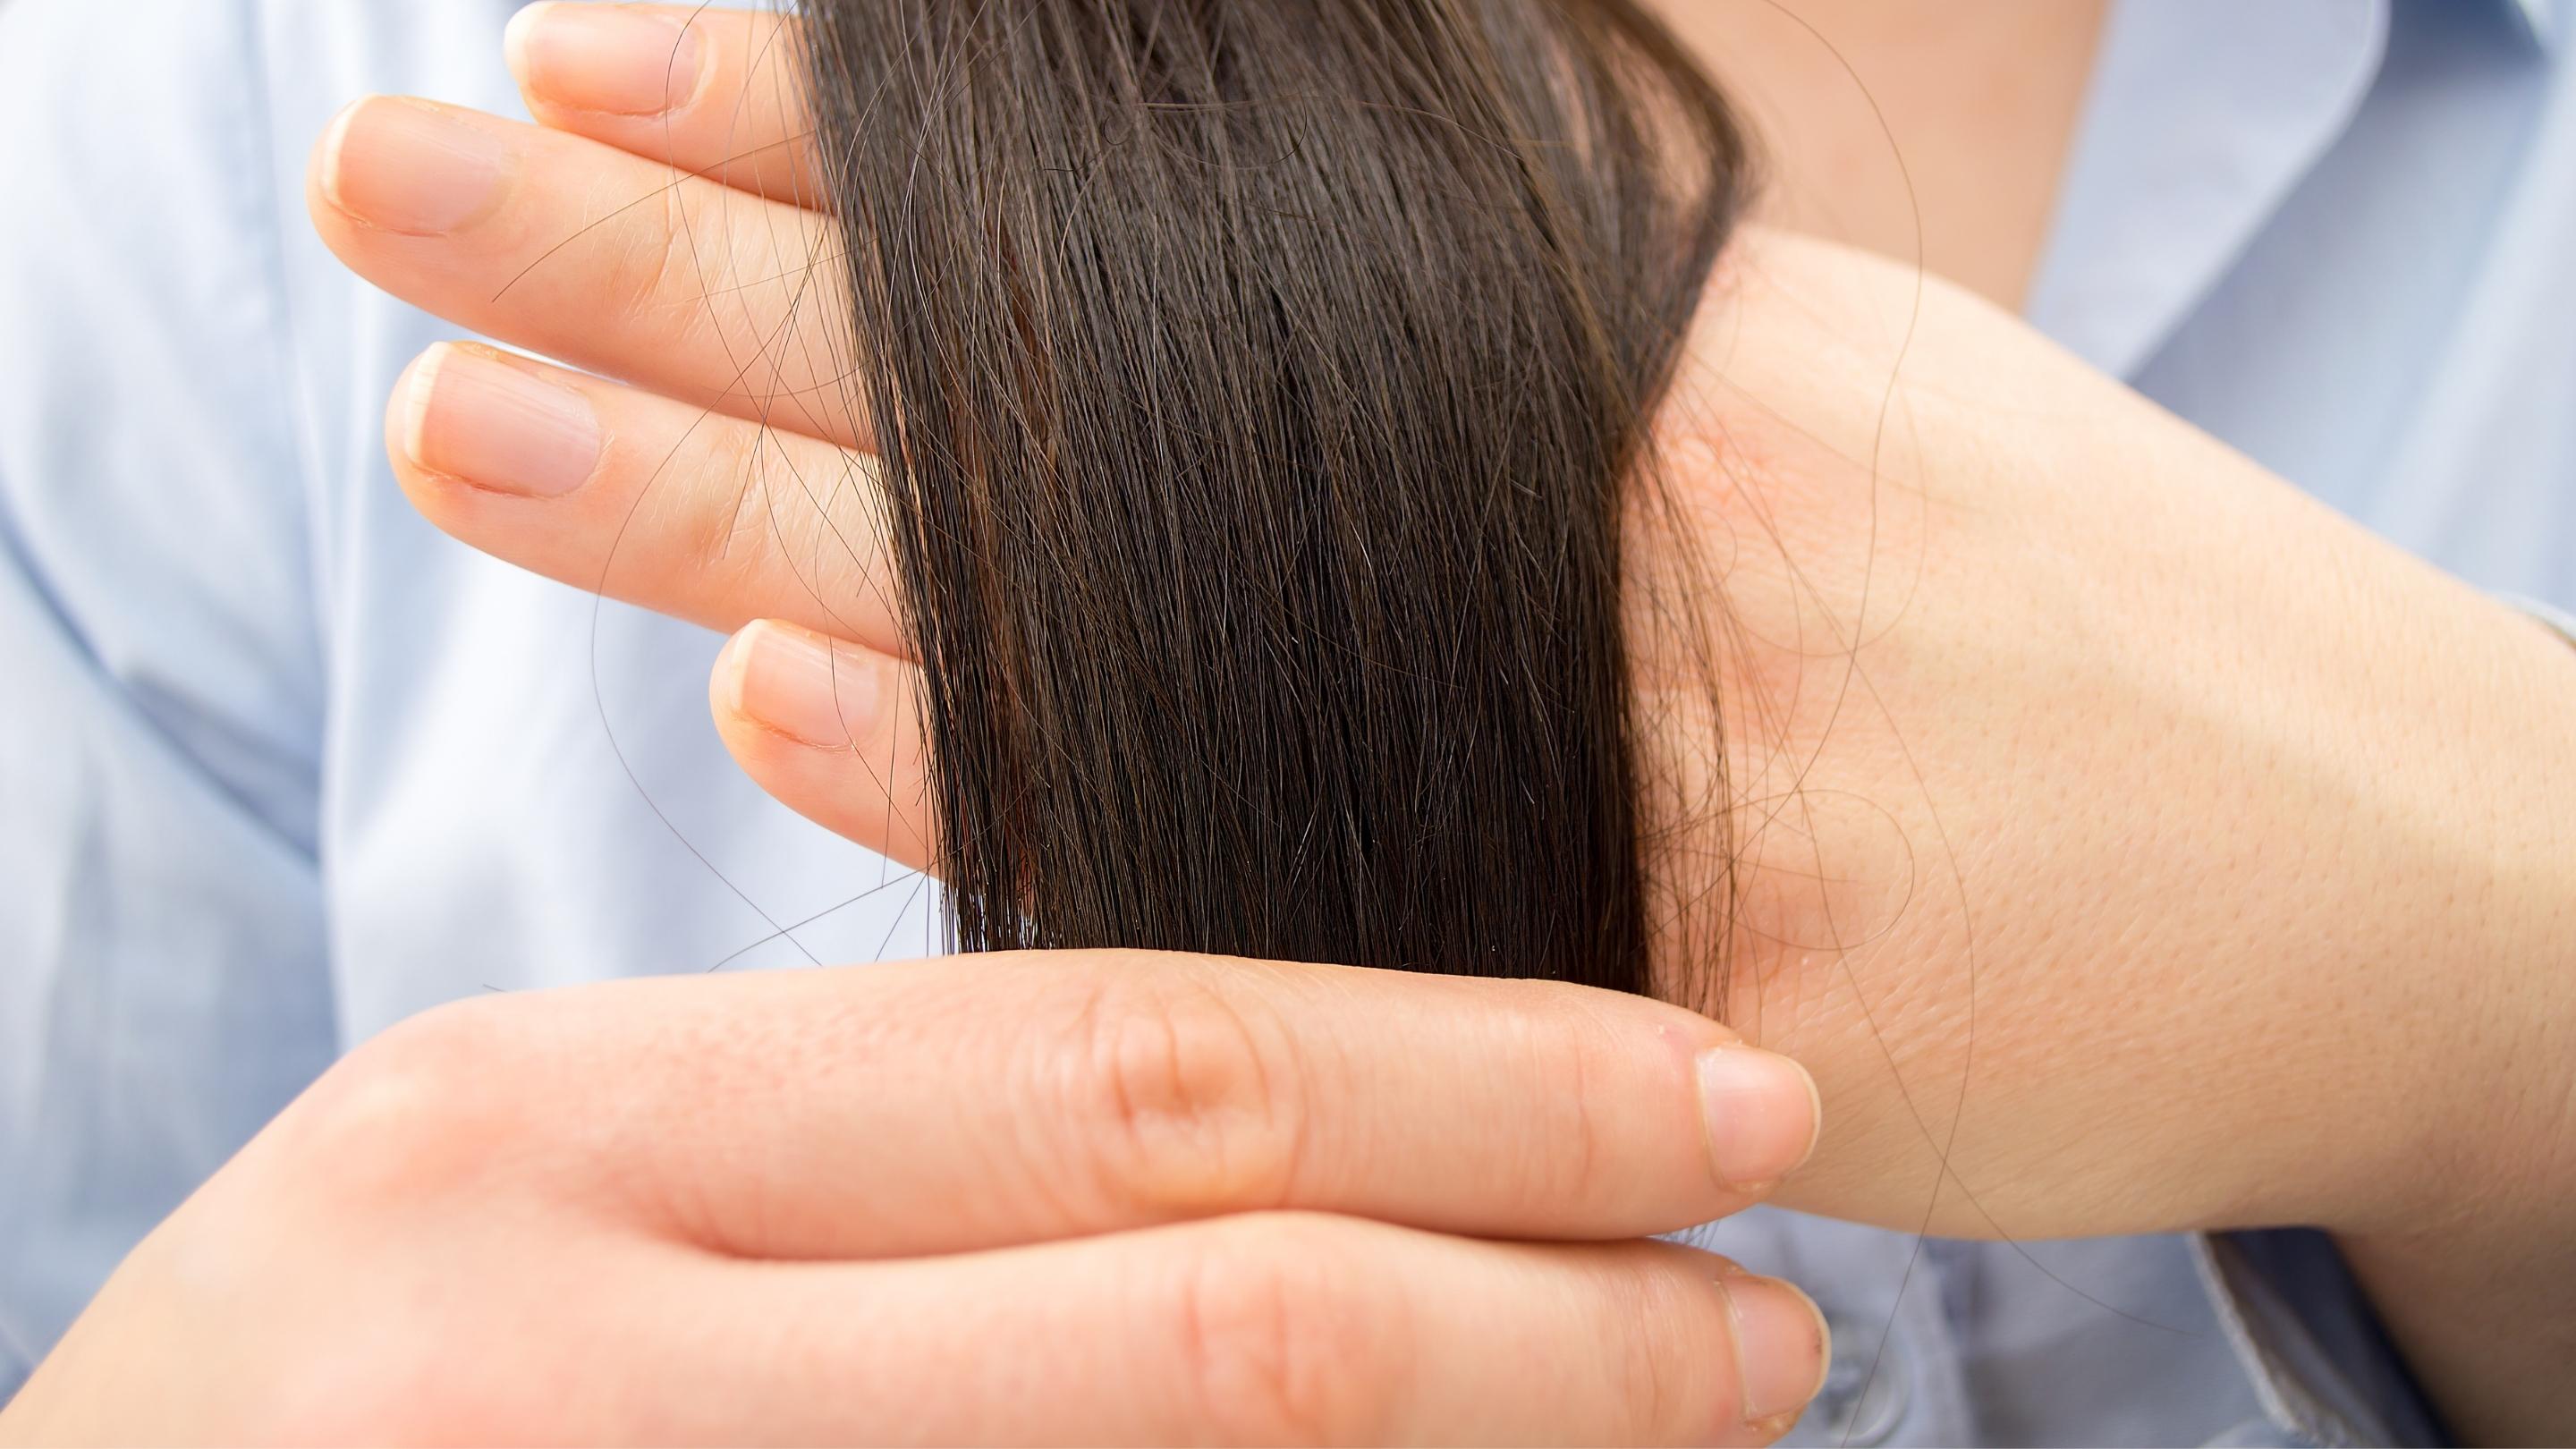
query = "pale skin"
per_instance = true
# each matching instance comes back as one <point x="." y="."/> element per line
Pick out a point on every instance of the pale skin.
<point x="2245" y="843"/>
<point x="1925" y="133"/>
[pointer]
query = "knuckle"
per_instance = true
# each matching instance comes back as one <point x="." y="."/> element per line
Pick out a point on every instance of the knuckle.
<point x="1191" y="1099"/>
<point x="640" y="277"/>
<point x="1288" y="1336"/>
<point x="728" y="529"/>
<point x="415" y="1383"/>
<point x="1667" y="1398"/>
<point x="425" y="1110"/>
<point x="1558" y="1039"/>
<point x="1663" y="1321"/>
<point x="393" y="1389"/>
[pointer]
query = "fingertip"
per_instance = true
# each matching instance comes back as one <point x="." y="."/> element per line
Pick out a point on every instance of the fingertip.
<point x="818" y="692"/>
<point x="725" y="682"/>
<point x="1783" y="1351"/>
<point x="408" y="166"/>
<point x="501" y="425"/>
<point x="403" y="429"/>
<point x="324" y="167"/>
<point x="1761" y="1113"/>
<point x="820" y="723"/>
<point x="605" y="60"/>
<point x="515" y="36"/>
<point x="407" y="416"/>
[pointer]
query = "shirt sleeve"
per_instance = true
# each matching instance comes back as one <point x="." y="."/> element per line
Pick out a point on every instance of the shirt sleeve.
<point x="2310" y="1342"/>
<point x="2559" y="620"/>
<point x="164" y="983"/>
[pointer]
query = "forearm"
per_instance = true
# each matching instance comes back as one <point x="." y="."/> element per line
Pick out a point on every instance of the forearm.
<point x="2471" y="1260"/>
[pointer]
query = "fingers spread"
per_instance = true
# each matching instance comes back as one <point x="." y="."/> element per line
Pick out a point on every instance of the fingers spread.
<point x="581" y="251"/>
<point x="833" y="731"/>
<point x="717" y="92"/>
<point x="659" y="503"/>
<point x="979" y="1101"/>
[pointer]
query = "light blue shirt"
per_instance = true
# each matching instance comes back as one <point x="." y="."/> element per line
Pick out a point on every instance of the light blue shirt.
<point x="280" y="764"/>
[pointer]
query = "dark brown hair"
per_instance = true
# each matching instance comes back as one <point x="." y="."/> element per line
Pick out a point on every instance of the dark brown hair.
<point x="1261" y="387"/>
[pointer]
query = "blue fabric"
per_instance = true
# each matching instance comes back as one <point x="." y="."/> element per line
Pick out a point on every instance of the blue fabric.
<point x="2337" y="236"/>
<point x="280" y="765"/>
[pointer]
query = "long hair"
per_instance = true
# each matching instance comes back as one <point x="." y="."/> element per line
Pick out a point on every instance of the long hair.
<point x="1261" y="386"/>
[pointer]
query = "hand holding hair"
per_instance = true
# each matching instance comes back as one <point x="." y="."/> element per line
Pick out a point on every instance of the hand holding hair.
<point x="2109" y="872"/>
<point x="2106" y="819"/>
<point x="1091" y="1197"/>
<point x="2032" y="704"/>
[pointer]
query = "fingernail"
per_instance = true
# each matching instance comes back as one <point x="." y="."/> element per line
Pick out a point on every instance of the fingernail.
<point x="796" y="683"/>
<point x="1782" y="1347"/>
<point x="476" y="418"/>
<point x="604" y="58"/>
<point x="408" y="166"/>
<point x="1760" y="1111"/>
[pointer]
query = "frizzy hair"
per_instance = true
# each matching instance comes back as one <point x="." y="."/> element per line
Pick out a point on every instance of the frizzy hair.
<point x="1260" y="388"/>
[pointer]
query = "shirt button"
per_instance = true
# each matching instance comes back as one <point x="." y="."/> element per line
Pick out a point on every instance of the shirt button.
<point x="1866" y="1386"/>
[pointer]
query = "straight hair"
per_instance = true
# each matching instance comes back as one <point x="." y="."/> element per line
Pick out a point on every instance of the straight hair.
<point x="1263" y="389"/>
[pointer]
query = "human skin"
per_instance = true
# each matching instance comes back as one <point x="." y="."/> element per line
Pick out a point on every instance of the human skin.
<point x="2196" y="860"/>
<point x="2191" y="859"/>
<point x="1092" y="1197"/>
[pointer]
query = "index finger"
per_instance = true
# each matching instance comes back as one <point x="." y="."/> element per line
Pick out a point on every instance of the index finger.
<point x="982" y="1101"/>
<point x="713" y="91"/>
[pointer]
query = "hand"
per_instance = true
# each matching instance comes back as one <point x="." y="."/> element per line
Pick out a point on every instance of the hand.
<point x="1085" y="1197"/>
<point x="2127" y="844"/>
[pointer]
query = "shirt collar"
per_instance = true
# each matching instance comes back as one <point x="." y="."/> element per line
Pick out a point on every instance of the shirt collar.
<point x="2201" y="117"/>
<point x="2540" y="19"/>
